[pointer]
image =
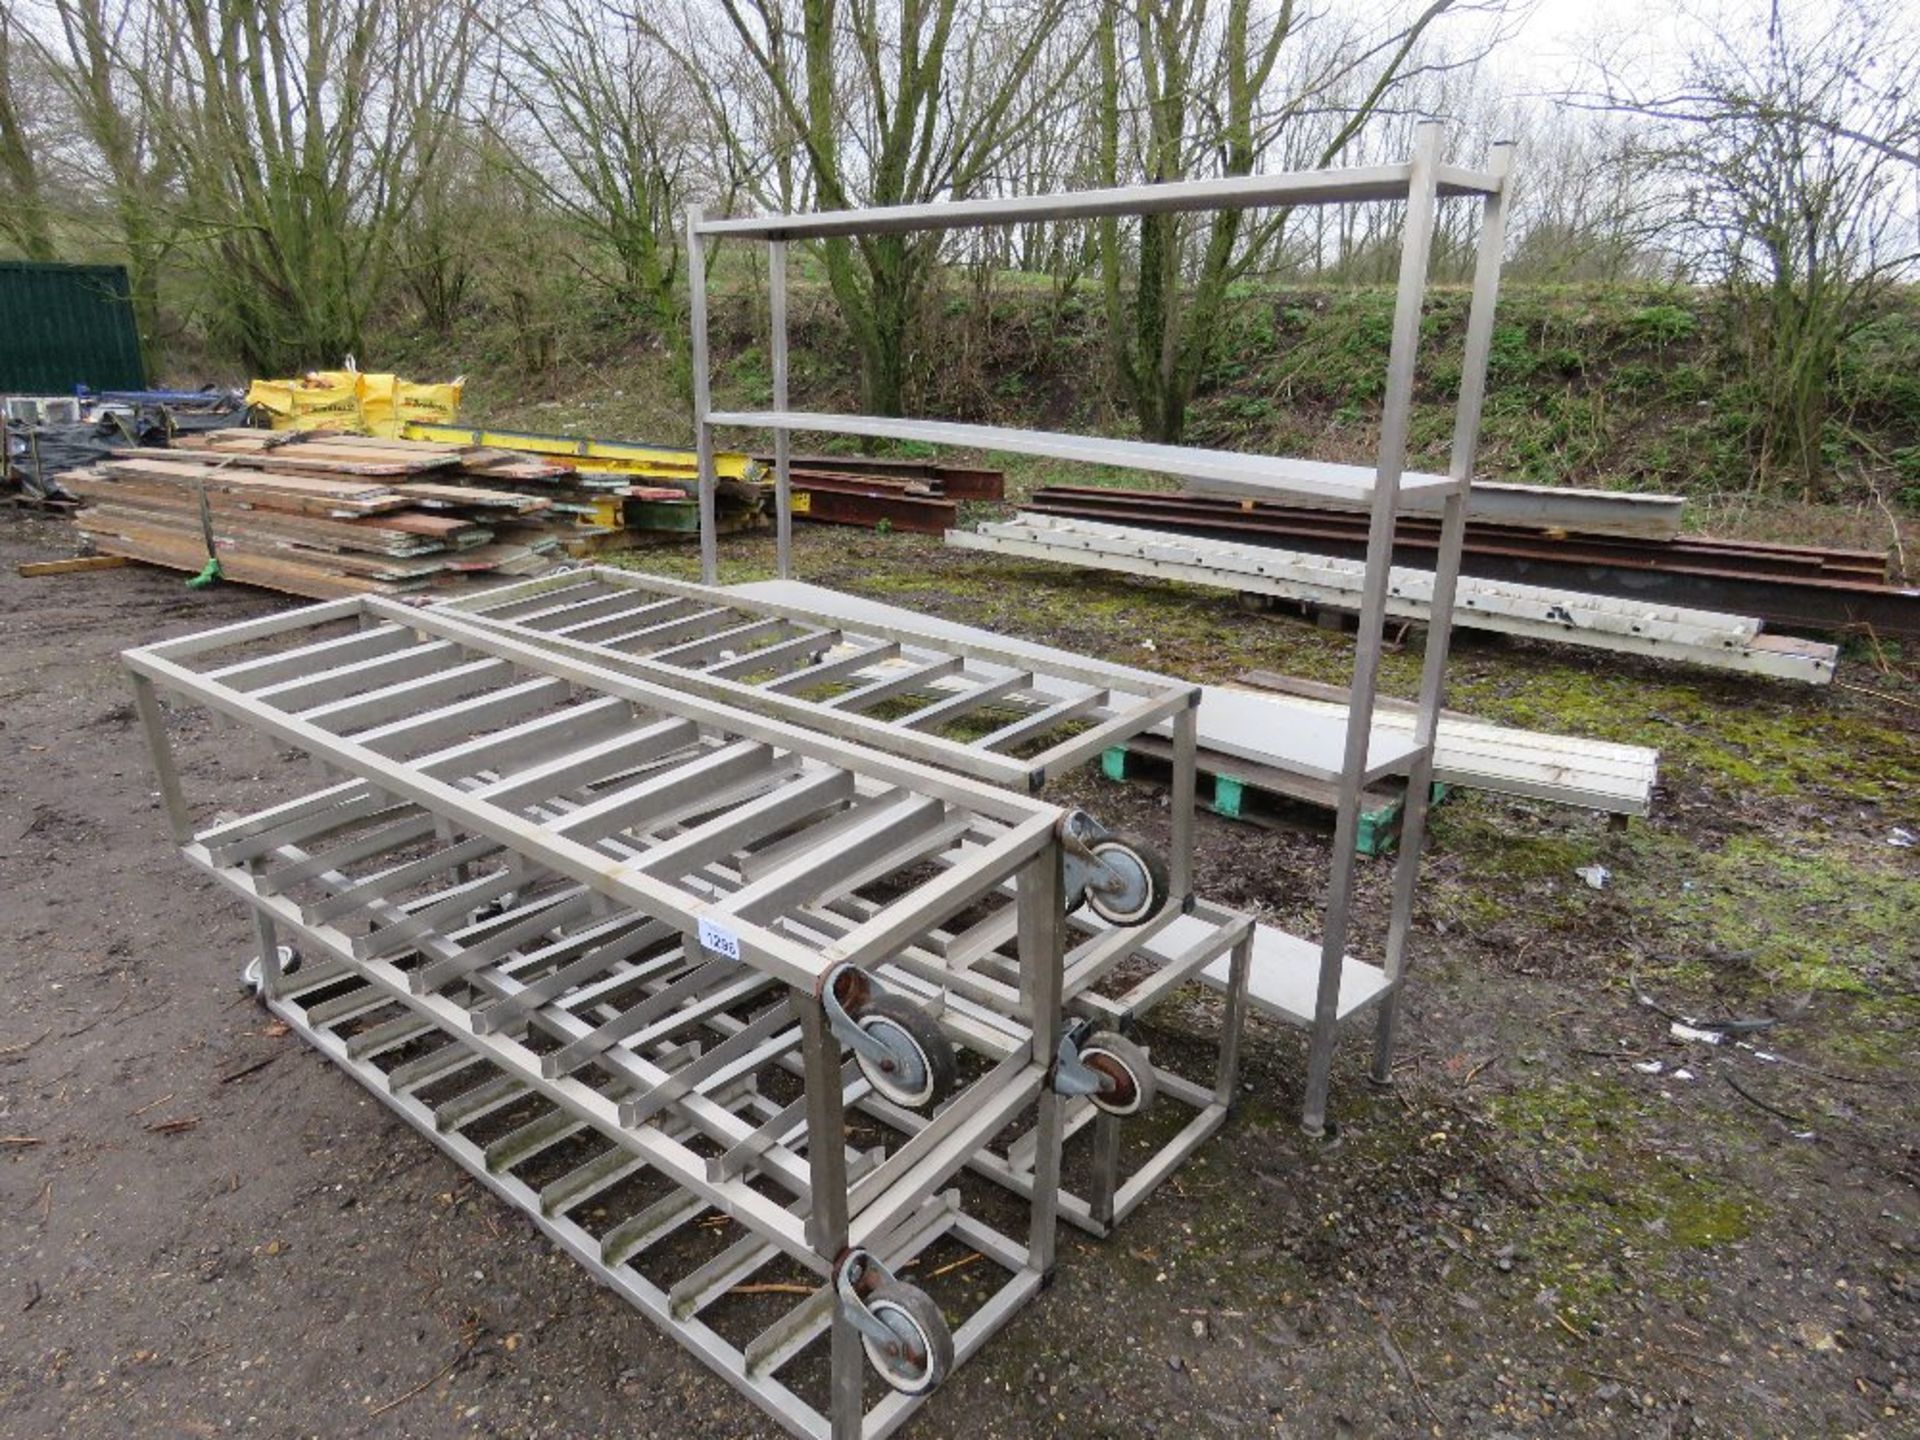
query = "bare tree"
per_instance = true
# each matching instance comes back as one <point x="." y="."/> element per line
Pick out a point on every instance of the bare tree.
<point x="889" y="104"/>
<point x="1794" y="151"/>
<point x="1589" y="204"/>
<point x="606" y="140"/>
<point x="23" y="209"/>
<point x="112" y="60"/>
<point x="440" y="240"/>
<point x="303" y="134"/>
<point x="1206" y="79"/>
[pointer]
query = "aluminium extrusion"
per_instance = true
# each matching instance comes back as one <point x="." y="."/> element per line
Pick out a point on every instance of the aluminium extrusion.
<point x="1606" y="622"/>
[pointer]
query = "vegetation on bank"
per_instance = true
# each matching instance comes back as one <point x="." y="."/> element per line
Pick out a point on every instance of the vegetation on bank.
<point x="1626" y="386"/>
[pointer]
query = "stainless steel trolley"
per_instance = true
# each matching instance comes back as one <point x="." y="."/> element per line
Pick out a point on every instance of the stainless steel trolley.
<point x="607" y="943"/>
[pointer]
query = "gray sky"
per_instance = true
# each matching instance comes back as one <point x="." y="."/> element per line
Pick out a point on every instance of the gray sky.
<point x="1561" y="36"/>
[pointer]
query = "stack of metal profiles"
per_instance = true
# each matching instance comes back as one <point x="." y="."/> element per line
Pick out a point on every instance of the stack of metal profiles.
<point x="740" y="1013"/>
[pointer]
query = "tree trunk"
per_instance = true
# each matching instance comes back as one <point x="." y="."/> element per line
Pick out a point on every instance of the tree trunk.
<point x="23" y="215"/>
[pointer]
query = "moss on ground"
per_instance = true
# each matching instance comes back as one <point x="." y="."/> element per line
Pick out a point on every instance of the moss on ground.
<point x="1612" y="1215"/>
<point x="1784" y="913"/>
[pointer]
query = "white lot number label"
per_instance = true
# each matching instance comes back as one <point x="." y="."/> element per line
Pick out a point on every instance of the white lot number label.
<point x="719" y="939"/>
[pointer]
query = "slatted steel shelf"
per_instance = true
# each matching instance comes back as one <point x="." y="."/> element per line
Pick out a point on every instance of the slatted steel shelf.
<point x="842" y="676"/>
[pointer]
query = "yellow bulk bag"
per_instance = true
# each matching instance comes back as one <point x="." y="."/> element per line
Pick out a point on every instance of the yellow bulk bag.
<point x="377" y="400"/>
<point x="428" y="404"/>
<point x="324" y="400"/>
<point x="354" y="401"/>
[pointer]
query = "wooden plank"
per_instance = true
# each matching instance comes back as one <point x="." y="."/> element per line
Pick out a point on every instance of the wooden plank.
<point x="360" y="497"/>
<point x="1241" y="790"/>
<point x="272" y="573"/>
<point x="185" y="530"/>
<point x="433" y="493"/>
<point x="381" y="534"/>
<point x="306" y="459"/>
<point x="35" y="568"/>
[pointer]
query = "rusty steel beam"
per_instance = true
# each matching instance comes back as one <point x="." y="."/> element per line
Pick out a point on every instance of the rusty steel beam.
<point x="1789" y="587"/>
<point x="950" y="482"/>
<point x="858" y="500"/>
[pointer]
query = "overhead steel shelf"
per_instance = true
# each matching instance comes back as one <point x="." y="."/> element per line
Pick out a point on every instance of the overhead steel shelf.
<point x="1240" y="192"/>
<point x="1231" y="470"/>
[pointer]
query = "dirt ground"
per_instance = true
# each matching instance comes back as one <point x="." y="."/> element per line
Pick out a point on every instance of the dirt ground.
<point x="207" y="1229"/>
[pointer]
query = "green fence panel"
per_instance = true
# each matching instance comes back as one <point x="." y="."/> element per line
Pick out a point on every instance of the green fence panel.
<point x="67" y="325"/>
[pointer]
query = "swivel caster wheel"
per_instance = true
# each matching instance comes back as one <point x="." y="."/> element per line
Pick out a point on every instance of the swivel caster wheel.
<point x="907" y="1339"/>
<point x="1127" y="884"/>
<point x="1127" y="1084"/>
<point x="918" y="1069"/>
<point x="255" y="983"/>
<point x="900" y="1049"/>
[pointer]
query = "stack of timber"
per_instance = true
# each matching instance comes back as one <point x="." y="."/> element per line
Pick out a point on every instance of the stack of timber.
<point x="1598" y="542"/>
<point x="325" y="515"/>
<point x="636" y="490"/>
<point x="1732" y="642"/>
<point x="658" y="484"/>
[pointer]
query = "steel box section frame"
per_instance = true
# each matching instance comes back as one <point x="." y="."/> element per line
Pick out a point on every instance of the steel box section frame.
<point x="763" y="1215"/>
<point x="1421" y="182"/>
<point x="1032" y="822"/>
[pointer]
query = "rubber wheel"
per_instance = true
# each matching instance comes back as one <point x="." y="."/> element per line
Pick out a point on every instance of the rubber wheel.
<point x="923" y="1070"/>
<point x="254" y="983"/>
<point x="1126" y="1065"/>
<point x="921" y="1353"/>
<point x="1146" y="875"/>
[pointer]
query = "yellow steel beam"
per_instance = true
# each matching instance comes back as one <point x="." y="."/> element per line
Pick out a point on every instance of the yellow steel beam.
<point x="622" y="456"/>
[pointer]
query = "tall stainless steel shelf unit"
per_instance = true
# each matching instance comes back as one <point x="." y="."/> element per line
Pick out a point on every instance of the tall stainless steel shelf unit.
<point x="1343" y="988"/>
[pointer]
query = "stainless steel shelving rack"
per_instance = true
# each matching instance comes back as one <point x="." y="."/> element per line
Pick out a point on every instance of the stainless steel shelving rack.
<point x="1345" y="988"/>
<point x="604" y="942"/>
